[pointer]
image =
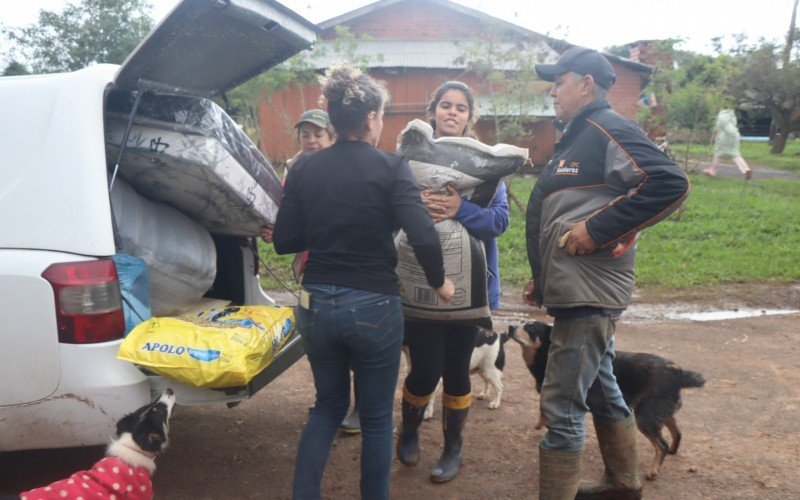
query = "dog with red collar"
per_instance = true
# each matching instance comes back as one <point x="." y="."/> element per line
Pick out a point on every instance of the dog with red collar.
<point x="126" y="471"/>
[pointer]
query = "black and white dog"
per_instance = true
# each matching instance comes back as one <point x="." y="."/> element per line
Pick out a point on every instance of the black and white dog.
<point x="488" y="360"/>
<point x="130" y="459"/>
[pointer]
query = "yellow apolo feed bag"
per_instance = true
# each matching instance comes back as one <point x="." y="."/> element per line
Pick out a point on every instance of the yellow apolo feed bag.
<point x="244" y="340"/>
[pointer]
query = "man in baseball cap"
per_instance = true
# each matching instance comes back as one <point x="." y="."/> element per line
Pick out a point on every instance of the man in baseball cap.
<point x="583" y="61"/>
<point x="581" y="76"/>
<point x="605" y="182"/>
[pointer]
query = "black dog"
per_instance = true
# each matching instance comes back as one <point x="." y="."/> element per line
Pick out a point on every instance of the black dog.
<point x="650" y="384"/>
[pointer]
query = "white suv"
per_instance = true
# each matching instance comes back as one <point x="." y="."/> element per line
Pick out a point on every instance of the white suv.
<point x="60" y="309"/>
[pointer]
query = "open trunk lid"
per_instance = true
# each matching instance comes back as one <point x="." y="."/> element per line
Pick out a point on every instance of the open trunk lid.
<point x="206" y="47"/>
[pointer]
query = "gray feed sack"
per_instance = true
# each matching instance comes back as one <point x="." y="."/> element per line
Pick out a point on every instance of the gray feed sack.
<point x="475" y="170"/>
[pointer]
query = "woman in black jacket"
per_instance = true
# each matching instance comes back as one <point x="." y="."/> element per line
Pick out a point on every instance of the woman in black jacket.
<point x="343" y="204"/>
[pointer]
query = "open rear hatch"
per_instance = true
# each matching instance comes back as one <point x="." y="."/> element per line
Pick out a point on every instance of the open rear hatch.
<point x="205" y="48"/>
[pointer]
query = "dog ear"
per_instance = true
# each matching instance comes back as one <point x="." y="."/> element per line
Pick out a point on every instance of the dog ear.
<point x="151" y="431"/>
<point x="127" y="423"/>
<point x="542" y="330"/>
<point x="155" y="437"/>
<point x="130" y="421"/>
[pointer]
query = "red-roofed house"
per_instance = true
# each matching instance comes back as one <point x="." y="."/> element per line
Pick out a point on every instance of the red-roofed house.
<point x="414" y="46"/>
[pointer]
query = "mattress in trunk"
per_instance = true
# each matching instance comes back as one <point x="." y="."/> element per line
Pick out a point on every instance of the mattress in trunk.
<point x="189" y="153"/>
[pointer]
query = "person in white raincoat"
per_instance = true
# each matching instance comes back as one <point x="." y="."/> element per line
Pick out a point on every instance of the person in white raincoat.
<point x="726" y="143"/>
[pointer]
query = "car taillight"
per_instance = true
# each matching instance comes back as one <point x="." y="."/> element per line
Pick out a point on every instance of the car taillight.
<point x="88" y="301"/>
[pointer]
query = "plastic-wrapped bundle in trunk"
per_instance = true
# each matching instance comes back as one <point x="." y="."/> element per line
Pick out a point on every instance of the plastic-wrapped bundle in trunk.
<point x="187" y="152"/>
<point x="179" y="252"/>
<point x="475" y="170"/>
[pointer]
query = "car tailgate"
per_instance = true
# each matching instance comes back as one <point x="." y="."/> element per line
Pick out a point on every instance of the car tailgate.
<point x="188" y="395"/>
<point x="206" y="47"/>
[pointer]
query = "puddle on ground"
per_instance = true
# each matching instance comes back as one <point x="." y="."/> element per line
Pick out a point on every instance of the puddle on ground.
<point x="736" y="314"/>
<point x="645" y="313"/>
<point x="641" y="313"/>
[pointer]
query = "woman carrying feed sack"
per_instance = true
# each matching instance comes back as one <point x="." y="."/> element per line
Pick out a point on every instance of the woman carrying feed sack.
<point x="343" y="204"/>
<point x="443" y="350"/>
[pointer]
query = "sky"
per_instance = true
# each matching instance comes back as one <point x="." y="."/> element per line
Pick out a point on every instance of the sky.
<point x="593" y="23"/>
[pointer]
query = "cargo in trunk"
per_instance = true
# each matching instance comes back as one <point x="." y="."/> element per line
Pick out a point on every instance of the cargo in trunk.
<point x="187" y="152"/>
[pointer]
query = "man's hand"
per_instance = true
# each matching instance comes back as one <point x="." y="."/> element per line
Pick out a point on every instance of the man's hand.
<point x="266" y="233"/>
<point x="446" y="291"/>
<point x="577" y="241"/>
<point x="529" y="295"/>
<point x="441" y="206"/>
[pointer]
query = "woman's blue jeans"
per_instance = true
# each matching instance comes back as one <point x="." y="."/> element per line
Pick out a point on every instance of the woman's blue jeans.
<point x="345" y="328"/>
<point x="579" y="378"/>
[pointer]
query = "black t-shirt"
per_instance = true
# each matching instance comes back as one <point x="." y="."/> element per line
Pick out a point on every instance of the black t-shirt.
<point x="343" y="204"/>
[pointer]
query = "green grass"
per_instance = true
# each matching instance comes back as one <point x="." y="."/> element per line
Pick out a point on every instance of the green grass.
<point x="731" y="232"/>
<point x="280" y="265"/>
<point x="757" y="154"/>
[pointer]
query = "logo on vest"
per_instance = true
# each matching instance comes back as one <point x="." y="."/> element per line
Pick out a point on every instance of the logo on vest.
<point x="573" y="168"/>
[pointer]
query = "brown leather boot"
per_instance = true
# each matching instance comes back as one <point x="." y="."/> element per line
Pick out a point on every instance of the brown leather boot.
<point x="559" y="474"/>
<point x="618" y="447"/>
<point x="413" y="409"/>
<point x="454" y="416"/>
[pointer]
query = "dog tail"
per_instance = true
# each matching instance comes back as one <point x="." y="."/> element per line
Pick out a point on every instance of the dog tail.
<point x="691" y="379"/>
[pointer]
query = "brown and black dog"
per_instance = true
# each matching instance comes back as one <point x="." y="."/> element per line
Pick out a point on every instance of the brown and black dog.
<point x="650" y="384"/>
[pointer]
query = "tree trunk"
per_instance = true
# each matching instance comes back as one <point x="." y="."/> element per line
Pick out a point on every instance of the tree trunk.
<point x="779" y="141"/>
<point x="513" y="197"/>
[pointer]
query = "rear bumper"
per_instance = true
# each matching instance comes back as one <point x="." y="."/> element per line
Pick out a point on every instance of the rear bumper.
<point x="94" y="391"/>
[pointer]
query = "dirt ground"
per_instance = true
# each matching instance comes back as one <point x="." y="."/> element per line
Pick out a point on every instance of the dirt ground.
<point x="741" y="437"/>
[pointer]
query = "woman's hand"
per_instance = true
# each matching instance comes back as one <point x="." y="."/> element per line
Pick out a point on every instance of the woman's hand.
<point x="266" y="232"/>
<point x="446" y="291"/>
<point x="441" y="206"/>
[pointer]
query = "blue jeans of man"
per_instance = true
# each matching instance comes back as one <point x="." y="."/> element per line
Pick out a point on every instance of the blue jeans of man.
<point x="344" y="328"/>
<point x="579" y="378"/>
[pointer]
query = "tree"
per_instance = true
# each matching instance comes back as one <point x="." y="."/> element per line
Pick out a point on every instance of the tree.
<point x="514" y="90"/>
<point x="15" y="68"/>
<point x="770" y="78"/>
<point x="244" y="102"/>
<point x="90" y="32"/>
<point x="506" y="62"/>
<point x="690" y="89"/>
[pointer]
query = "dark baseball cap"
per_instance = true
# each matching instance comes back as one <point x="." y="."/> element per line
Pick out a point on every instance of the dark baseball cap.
<point x="316" y="117"/>
<point x="581" y="60"/>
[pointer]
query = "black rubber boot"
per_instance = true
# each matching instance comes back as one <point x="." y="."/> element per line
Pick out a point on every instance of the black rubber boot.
<point x="453" y="420"/>
<point x="413" y="409"/>
<point x="618" y="447"/>
<point x="559" y="474"/>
